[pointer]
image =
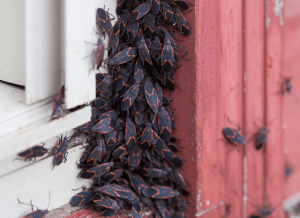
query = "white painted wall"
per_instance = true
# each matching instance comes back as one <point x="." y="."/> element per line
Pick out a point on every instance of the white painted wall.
<point x="23" y="126"/>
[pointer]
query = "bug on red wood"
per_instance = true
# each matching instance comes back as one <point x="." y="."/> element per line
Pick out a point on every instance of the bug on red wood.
<point x="167" y="12"/>
<point x="233" y="135"/>
<point x="182" y="23"/>
<point x="61" y="151"/>
<point x="261" y="137"/>
<point x="167" y="57"/>
<point x="164" y="124"/>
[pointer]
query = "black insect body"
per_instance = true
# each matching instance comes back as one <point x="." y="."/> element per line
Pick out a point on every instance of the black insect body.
<point x="61" y="152"/>
<point x="34" y="152"/>
<point x="104" y="21"/>
<point x="167" y="57"/>
<point x="261" y="138"/>
<point x="145" y="55"/>
<point x="233" y="136"/>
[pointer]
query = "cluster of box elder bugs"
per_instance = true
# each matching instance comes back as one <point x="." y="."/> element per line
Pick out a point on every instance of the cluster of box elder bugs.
<point x="131" y="151"/>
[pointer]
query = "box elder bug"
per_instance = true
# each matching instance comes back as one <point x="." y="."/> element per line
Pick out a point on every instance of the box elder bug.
<point x="61" y="152"/>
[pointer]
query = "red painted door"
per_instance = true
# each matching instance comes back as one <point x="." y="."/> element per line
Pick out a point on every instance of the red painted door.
<point x="240" y="60"/>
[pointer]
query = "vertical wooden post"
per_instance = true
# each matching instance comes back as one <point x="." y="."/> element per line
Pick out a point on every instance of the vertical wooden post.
<point x="219" y="96"/>
<point x="254" y="99"/>
<point x="291" y="104"/>
<point x="274" y="157"/>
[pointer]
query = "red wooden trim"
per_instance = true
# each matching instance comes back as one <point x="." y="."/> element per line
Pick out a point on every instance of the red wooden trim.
<point x="219" y="95"/>
<point x="184" y="101"/>
<point x="291" y="108"/>
<point x="254" y="97"/>
<point x="274" y="151"/>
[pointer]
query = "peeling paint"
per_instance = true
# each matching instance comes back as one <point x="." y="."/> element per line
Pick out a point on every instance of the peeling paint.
<point x="245" y="187"/>
<point x="278" y="6"/>
<point x="268" y="20"/>
<point x="209" y="209"/>
<point x="199" y="204"/>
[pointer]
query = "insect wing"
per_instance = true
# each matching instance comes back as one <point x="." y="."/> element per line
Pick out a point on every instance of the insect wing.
<point x="114" y="175"/>
<point x="179" y="3"/>
<point x="155" y="6"/>
<point x="95" y="155"/>
<point x="139" y="71"/>
<point x="111" y="138"/>
<point x="134" y="158"/>
<point x="234" y="136"/>
<point x="58" y="101"/>
<point x="120" y="152"/>
<point x="109" y="114"/>
<point x="129" y="97"/>
<point x="104" y="21"/>
<point x="82" y="198"/>
<point x="124" y="56"/>
<point x="130" y="135"/>
<point x="115" y="36"/>
<point x="123" y="21"/>
<point x="148" y="25"/>
<point x="104" y="126"/>
<point x="151" y="97"/>
<point x="145" y="55"/>
<point x="160" y="192"/>
<point x="96" y="171"/>
<point x="169" y="81"/>
<point x="167" y="57"/>
<point x="182" y="23"/>
<point x="132" y="29"/>
<point x="61" y="152"/>
<point x="37" y="214"/>
<point x="167" y="12"/>
<point x="120" y="6"/>
<point x="100" y="52"/>
<point x="106" y="202"/>
<point x="139" y="12"/>
<point x="147" y="137"/>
